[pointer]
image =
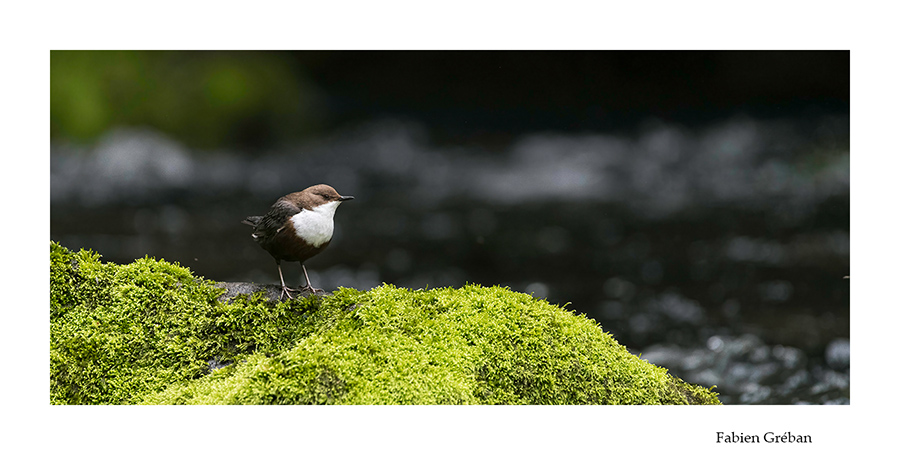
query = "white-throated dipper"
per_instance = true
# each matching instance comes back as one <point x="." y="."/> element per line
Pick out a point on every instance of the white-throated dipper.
<point x="297" y="227"/>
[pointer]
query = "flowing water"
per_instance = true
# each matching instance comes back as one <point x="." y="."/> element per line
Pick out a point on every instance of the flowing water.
<point x="718" y="251"/>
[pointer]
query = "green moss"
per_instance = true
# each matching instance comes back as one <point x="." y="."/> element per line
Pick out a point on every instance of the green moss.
<point x="145" y="333"/>
<point x="119" y="331"/>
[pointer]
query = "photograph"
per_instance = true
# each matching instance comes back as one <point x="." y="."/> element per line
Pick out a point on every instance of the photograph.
<point x="451" y="227"/>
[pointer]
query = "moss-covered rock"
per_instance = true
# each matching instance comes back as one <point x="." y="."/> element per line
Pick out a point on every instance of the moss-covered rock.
<point x="151" y="332"/>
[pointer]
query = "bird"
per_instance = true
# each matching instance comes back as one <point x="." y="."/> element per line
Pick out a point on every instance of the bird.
<point x="297" y="227"/>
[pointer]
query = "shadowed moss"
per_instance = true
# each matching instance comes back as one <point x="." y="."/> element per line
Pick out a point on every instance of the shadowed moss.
<point x="149" y="332"/>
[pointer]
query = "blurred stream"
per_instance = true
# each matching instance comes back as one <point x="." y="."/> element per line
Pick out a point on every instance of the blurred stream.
<point x="716" y="251"/>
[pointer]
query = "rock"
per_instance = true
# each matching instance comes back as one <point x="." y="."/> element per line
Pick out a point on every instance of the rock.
<point x="273" y="291"/>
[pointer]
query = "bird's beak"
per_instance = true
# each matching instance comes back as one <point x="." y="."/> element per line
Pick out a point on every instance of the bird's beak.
<point x="345" y="198"/>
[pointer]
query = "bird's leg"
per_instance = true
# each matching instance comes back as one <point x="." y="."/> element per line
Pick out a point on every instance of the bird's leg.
<point x="308" y="286"/>
<point x="284" y="288"/>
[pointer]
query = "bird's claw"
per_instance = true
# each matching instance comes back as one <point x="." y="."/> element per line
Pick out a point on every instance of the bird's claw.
<point x="286" y="290"/>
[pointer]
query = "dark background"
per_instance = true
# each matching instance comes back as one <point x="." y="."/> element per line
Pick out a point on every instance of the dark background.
<point x="696" y="204"/>
<point x="258" y="99"/>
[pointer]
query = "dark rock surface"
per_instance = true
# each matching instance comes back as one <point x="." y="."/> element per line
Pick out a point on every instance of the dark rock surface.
<point x="273" y="291"/>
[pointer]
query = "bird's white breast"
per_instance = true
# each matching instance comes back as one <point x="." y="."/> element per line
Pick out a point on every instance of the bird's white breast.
<point x="316" y="225"/>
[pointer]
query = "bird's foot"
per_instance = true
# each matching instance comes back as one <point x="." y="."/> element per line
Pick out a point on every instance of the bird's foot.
<point x="287" y="291"/>
<point x="284" y="291"/>
<point x="310" y="289"/>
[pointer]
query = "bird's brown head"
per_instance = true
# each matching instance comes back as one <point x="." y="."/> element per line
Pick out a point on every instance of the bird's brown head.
<point x="324" y="193"/>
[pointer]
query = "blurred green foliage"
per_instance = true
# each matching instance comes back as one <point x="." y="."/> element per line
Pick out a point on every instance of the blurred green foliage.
<point x="203" y="99"/>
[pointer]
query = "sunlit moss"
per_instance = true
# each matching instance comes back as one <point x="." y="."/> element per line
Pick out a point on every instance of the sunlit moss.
<point x="146" y="332"/>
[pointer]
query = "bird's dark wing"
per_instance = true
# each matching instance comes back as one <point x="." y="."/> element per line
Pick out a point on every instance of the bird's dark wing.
<point x="252" y="220"/>
<point x="274" y="221"/>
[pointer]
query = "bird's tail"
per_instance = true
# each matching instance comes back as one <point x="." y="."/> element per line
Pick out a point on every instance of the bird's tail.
<point x="252" y="220"/>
